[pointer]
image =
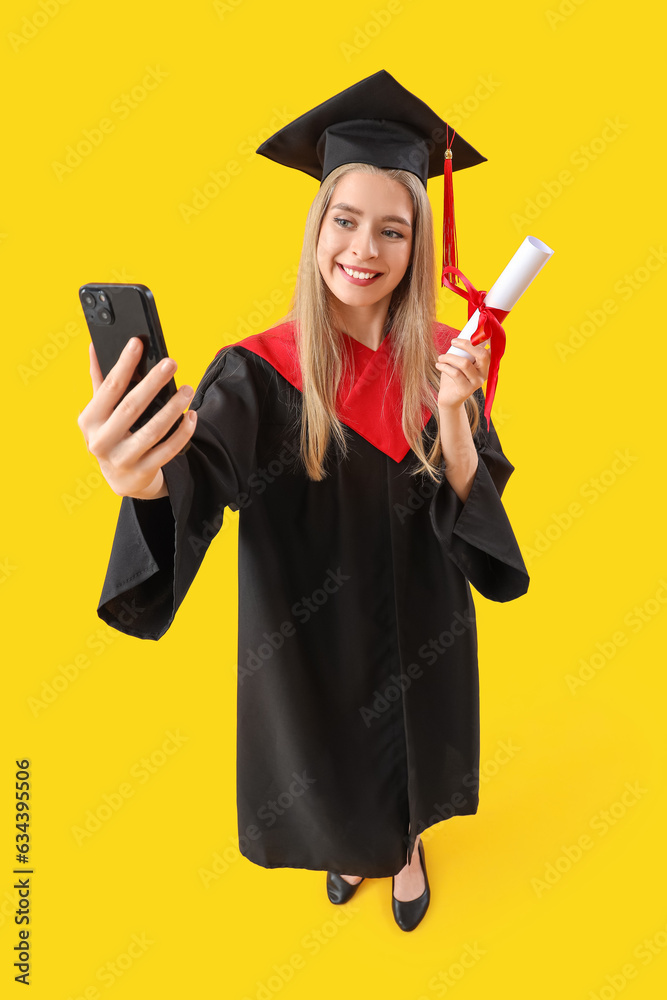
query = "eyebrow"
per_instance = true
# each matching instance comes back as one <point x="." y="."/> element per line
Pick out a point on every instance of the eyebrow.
<point x="385" y="218"/>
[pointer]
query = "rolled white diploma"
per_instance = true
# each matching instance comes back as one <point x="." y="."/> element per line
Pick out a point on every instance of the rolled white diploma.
<point x="525" y="265"/>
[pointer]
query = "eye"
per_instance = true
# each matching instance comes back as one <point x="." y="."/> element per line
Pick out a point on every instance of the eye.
<point x="341" y="220"/>
<point x="394" y="233"/>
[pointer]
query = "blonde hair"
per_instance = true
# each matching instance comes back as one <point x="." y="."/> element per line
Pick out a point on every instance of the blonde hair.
<point x="411" y="318"/>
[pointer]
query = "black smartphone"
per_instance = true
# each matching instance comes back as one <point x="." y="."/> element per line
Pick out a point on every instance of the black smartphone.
<point x="116" y="312"/>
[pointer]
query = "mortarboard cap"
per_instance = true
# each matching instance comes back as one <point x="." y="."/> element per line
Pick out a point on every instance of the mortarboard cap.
<point x="376" y="121"/>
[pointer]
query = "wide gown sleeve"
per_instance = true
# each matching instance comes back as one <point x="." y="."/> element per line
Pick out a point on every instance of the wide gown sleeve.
<point x="477" y="535"/>
<point x="159" y="544"/>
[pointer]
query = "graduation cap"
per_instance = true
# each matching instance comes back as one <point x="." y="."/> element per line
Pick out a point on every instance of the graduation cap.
<point x="377" y="121"/>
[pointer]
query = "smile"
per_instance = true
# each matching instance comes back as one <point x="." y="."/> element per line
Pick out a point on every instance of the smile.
<point x="359" y="277"/>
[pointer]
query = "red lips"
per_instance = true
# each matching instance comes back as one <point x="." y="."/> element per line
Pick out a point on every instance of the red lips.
<point x="360" y="281"/>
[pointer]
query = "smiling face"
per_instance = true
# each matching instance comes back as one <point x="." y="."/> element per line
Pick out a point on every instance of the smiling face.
<point x="365" y="240"/>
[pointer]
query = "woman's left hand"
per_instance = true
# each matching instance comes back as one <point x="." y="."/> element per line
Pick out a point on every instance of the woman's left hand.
<point x="460" y="377"/>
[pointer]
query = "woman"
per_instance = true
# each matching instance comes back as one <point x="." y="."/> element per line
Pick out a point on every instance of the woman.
<point x="369" y="493"/>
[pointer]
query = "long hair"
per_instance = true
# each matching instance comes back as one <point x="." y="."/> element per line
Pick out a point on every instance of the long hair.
<point x="410" y="317"/>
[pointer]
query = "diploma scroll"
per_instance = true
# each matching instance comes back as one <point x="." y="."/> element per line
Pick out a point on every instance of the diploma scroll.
<point x="524" y="266"/>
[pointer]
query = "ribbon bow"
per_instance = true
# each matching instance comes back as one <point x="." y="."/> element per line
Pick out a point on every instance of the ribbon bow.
<point x="488" y="317"/>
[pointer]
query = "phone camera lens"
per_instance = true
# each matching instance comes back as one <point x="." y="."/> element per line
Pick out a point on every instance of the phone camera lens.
<point x="88" y="299"/>
<point x="105" y="315"/>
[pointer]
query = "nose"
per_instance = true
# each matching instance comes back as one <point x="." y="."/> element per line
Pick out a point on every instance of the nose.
<point x="363" y="244"/>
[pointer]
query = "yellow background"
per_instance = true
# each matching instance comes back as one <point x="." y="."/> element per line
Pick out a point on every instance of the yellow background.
<point x="536" y="85"/>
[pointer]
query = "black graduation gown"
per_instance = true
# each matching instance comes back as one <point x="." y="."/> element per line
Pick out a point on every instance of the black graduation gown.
<point x="358" y="707"/>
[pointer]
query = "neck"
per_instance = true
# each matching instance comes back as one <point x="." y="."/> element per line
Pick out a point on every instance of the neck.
<point x="365" y="323"/>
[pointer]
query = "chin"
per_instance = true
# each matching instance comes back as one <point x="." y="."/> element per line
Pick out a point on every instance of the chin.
<point x="353" y="295"/>
<point x="356" y="300"/>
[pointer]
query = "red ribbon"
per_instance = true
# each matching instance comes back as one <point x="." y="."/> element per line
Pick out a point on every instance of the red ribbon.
<point x="488" y="317"/>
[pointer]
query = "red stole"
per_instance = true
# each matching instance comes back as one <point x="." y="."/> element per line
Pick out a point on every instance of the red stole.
<point x="372" y="405"/>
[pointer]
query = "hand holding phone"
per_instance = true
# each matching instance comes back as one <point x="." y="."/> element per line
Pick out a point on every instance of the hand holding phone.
<point x="131" y="462"/>
<point x="116" y="312"/>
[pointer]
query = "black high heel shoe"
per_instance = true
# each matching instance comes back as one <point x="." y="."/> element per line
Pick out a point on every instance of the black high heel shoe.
<point x="338" y="890"/>
<point x="408" y="914"/>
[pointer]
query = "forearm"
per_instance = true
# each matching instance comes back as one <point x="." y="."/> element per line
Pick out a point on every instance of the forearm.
<point x="156" y="490"/>
<point x="458" y="449"/>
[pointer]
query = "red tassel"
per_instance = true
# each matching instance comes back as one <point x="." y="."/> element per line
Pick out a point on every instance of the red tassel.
<point x="449" y="247"/>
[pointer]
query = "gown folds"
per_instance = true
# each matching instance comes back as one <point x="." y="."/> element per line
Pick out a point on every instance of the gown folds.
<point x="358" y="692"/>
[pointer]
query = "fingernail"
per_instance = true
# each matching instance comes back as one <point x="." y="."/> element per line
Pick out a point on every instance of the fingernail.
<point x="186" y="390"/>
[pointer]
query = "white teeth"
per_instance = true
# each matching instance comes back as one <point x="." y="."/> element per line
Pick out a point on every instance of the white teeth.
<point x="356" y="274"/>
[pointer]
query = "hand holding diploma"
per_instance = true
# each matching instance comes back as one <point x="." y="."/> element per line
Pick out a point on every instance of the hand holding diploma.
<point x="465" y="373"/>
<point x="490" y="308"/>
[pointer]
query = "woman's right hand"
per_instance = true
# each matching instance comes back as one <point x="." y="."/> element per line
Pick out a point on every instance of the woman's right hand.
<point x="132" y="463"/>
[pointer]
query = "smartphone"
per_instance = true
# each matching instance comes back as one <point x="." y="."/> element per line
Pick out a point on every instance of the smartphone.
<point x="115" y="313"/>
